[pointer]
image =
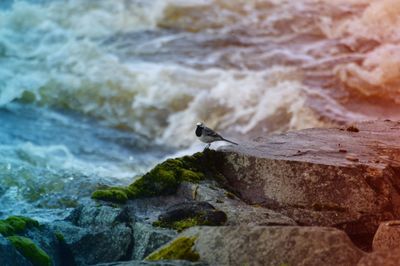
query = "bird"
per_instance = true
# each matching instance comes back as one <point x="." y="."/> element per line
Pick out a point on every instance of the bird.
<point x="207" y="135"/>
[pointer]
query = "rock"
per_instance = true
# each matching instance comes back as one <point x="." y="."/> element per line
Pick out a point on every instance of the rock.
<point x="30" y="250"/>
<point x="99" y="216"/>
<point x="163" y="179"/>
<point x="303" y="175"/>
<point x="381" y="258"/>
<point x="45" y="238"/>
<point x="148" y="238"/>
<point x="102" y="234"/>
<point x="97" y="234"/>
<point x="186" y="214"/>
<point x="191" y="209"/>
<point x="237" y="211"/>
<point x="387" y="237"/>
<point x="274" y="245"/>
<point x="91" y="246"/>
<point x="386" y="246"/>
<point x="36" y="242"/>
<point x="9" y="256"/>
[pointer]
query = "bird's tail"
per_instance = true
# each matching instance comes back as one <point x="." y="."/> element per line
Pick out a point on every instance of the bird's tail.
<point x="227" y="140"/>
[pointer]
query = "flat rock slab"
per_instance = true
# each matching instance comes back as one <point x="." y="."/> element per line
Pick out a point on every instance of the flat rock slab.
<point x="342" y="177"/>
<point x="273" y="245"/>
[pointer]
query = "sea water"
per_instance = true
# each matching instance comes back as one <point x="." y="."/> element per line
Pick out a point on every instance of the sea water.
<point x="94" y="93"/>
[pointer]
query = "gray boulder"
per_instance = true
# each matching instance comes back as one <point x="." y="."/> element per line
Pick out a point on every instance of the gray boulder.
<point x="274" y="245"/>
<point x="96" y="234"/>
<point x="148" y="238"/>
<point x="103" y="234"/>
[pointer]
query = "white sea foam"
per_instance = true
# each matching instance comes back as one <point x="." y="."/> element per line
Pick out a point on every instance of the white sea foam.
<point x="55" y="52"/>
<point x="60" y="54"/>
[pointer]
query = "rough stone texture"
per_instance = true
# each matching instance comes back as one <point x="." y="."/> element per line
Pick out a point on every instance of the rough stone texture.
<point x="387" y="237"/>
<point x="386" y="246"/>
<point x="274" y="245"/>
<point x="147" y="239"/>
<point x="45" y="238"/>
<point x="97" y="234"/>
<point x="9" y="256"/>
<point x="90" y="246"/>
<point x="193" y="209"/>
<point x="102" y="234"/>
<point x="381" y="258"/>
<point x="324" y="177"/>
<point x="238" y="212"/>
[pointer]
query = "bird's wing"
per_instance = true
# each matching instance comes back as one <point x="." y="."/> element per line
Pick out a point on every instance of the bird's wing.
<point x="211" y="133"/>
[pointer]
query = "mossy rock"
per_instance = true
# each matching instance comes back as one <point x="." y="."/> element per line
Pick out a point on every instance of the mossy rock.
<point x="16" y="224"/>
<point x="179" y="225"/>
<point x="30" y="251"/>
<point x="165" y="178"/>
<point x="188" y="214"/>
<point x="60" y="237"/>
<point x="118" y="195"/>
<point x="179" y="249"/>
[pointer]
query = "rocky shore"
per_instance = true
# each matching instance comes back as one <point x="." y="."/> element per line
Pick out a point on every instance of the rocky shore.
<point x="311" y="197"/>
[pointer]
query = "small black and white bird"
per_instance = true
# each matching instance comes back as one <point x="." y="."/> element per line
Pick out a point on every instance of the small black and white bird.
<point x="207" y="135"/>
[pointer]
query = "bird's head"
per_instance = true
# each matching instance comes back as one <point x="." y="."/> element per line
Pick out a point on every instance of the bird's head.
<point x="199" y="129"/>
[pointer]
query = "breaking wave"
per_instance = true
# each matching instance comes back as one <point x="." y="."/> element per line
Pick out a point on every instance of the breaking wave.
<point x="243" y="67"/>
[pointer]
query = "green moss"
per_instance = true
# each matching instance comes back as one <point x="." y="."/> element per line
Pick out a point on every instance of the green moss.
<point x="28" y="97"/>
<point x="184" y="224"/>
<point x="179" y="225"/>
<point x="6" y="229"/>
<point x="214" y="218"/>
<point x="165" y="178"/>
<point x="16" y="224"/>
<point x="179" y="249"/>
<point x="59" y="236"/>
<point x="191" y="176"/>
<point x="30" y="251"/>
<point x="230" y="195"/>
<point x="117" y="195"/>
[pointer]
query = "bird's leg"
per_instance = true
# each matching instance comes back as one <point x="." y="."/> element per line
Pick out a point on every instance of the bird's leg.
<point x="208" y="146"/>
